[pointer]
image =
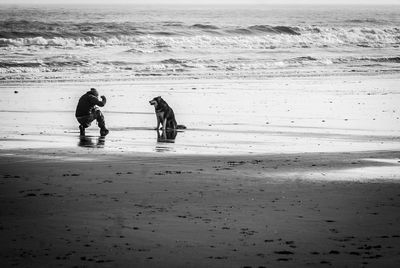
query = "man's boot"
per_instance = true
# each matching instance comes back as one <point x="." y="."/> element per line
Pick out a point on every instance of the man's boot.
<point x="101" y="123"/>
<point x="103" y="132"/>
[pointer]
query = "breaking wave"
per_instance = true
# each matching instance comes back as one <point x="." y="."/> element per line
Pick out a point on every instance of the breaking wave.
<point x="276" y="29"/>
<point x="205" y="26"/>
<point x="36" y="33"/>
<point x="238" y="38"/>
<point x="388" y="59"/>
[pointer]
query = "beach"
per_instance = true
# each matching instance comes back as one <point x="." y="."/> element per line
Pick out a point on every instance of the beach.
<point x="290" y="156"/>
<point x="250" y="183"/>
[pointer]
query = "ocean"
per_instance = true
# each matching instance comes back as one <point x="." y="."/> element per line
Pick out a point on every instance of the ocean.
<point x="75" y="43"/>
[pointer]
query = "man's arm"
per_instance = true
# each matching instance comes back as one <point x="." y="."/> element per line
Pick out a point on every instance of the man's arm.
<point x="96" y="101"/>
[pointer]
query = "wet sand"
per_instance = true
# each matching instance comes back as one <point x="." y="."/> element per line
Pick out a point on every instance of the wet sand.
<point x="234" y="211"/>
<point x="297" y="185"/>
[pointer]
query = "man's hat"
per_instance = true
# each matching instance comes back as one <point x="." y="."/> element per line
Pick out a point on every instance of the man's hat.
<point x="94" y="91"/>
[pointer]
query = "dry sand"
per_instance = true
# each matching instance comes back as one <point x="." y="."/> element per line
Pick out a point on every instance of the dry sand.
<point x="313" y="192"/>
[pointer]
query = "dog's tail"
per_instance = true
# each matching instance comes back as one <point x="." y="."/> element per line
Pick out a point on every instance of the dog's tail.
<point x="180" y="127"/>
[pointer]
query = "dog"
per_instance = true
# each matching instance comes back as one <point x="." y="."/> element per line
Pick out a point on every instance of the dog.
<point x="165" y="115"/>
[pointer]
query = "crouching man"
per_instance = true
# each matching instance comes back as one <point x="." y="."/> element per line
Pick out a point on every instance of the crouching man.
<point x="87" y="111"/>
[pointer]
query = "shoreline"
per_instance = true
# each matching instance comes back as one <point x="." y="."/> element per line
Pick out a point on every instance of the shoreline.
<point x="187" y="79"/>
<point x="352" y="114"/>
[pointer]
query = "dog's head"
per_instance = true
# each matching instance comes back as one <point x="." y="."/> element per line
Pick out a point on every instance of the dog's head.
<point x="157" y="102"/>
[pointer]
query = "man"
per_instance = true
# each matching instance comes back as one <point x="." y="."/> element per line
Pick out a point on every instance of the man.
<point x="87" y="111"/>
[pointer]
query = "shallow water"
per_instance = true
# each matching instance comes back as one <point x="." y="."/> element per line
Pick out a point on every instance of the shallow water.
<point x="222" y="116"/>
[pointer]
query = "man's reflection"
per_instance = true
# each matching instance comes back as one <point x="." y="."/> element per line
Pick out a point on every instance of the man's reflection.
<point x="91" y="142"/>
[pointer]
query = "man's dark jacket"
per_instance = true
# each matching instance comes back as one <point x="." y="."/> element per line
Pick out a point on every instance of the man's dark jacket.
<point x="86" y="103"/>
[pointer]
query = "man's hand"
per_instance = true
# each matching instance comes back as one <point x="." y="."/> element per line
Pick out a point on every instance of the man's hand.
<point x="103" y="100"/>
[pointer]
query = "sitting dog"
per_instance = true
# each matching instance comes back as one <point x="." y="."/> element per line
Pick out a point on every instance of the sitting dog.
<point x="165" y="115"/>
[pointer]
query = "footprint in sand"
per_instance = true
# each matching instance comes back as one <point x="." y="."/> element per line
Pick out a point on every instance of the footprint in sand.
<point x="284" y="259"/>
<point x="284" y="252"/>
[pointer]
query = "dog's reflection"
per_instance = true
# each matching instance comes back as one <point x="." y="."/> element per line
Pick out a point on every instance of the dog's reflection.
<point x="167" y="136"/>
<point x="163" y="138"/>
<point x="91" y="142"/>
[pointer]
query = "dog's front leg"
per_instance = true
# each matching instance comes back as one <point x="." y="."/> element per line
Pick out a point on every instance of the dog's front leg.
<point x="159" y="138"/>
<point x="165" y="127"/>
<point x="158" y="123"/>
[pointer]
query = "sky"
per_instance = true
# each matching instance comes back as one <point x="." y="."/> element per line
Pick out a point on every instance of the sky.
<point x="221" y="2"/>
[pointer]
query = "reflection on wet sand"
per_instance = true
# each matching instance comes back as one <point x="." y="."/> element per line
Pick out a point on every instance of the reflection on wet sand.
<point x="163" y="139"/>
<point x="91" y="142"/>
